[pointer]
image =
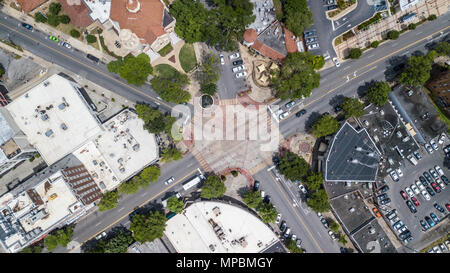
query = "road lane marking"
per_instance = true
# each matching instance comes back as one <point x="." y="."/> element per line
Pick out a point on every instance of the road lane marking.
<point x="296" y="213"/>
<point x="98" y="224"/>
<point x="150" y="199"/>
<point x="122" y="208"/>
<point x="419" y="32"/>
<point x="394" y="44"/>
<point x="83" y="64"/>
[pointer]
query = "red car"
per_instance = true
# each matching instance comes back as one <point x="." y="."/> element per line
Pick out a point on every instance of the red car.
<point x="436" y="187"/>
<point x="448" y="207"/>
<point x="404" y="195"/>
<point x="415" y="202"/>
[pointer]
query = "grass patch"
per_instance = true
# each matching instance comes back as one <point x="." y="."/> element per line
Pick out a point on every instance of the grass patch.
<point x="94" y="45"/>
<point x="442" y="115"/>
<point x="165" y="50"/>
<point x="278" y="9"/>
<point x="338" y="41"/>
<point x="66" y="28"/>
<point x="11" y="44"/>
<point x="165" y="71"/>
<point x="375" y="19"/>
<point x="187" y="57"/>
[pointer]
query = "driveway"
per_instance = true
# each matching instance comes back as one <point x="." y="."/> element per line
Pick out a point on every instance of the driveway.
<point x="228" y="85"/>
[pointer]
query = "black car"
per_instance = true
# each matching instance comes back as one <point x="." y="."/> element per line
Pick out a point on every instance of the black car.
<point x="405" y="234"/>
<point x="337" y="108"/>
<point x="326" y="114"/>
<point x="424" y="225"/>
<point x="417" y="155"/>
<point x="332" y="7"/>
<point x="382" y="196"/>
<point x="324" y="222"/>
<point x="92" y="57"/>
<point x="439" y="208"/>
<point x="238" y="62"/>
<point x="27" y="26"/>
<point x="283" y="226"/>
<point x="343" y="250"/>
<point x="384" y="189"/>
<point x="423" y="180"/>
<point x="300" y="113"/>
<point x="266" y="199"/>
<point x="411" y="206"/>
<point x="256" y="186"/>
<point x="385" y="201"/>
<point x="428" y="177"/>
<point x="430" y="191"/>
<point x="444" y="179"/>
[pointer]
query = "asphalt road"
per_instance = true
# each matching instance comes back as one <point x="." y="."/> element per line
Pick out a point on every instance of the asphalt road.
<point x="374" y="65"/>
<point x="298" y="216"/>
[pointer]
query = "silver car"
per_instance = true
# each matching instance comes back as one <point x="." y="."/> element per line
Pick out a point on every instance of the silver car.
<point x="238" y="68"/>
<point x="241" y="74"/>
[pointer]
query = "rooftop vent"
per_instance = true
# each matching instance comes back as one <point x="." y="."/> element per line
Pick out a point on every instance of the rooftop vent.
<point x="46" y="83"/>
<point x="44" y="117"/>
<point x="49" y="133"/>
<point x="62" y="106"/>
<point x="63" y="126"/>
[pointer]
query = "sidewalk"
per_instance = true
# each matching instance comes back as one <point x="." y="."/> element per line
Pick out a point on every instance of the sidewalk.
<point x="49" y="30"/>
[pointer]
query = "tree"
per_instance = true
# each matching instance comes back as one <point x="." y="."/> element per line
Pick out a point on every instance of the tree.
<point x="252" y="199"/>
<point x="38" y="17"/>
<point x="342" y="240"/>
<point x="412" y="26"/>
<point x="209" y="89"/>
<point x="75" y="33"/>
<point x="175" y="205"/>
<point x="133" y="69"/>
<point x="267" y="212"/>
<point x="31" y="249"/>
<point x="54" y="8"/>
<point x="334" y="226"/>
<point x="130" y="187"/>
<point x="151" y="173"/>
<point x="393" y="34"/>
<point x="147" y="228"/>
<point x="443" y="49"/>
<point x="53" y="20"/>
<point x="91" y="38"/>
<point x="297" y="76"/>
<point x="355" y="53"/>
<point x="292" y="246"/>
<point x="213" y="188"/>
<point x="119" y="243"/>
<point x="154" y="121"/>
<point x="297" y="16"/>
<point x="108" y="201"/>
<point x="417" y="72"/>
<point x="318" y="61"/>
<point x="324" y="126"/>
<point x="319" y="201"/>
<point x="353" y="107"/>
<point x="293" y="167"/>
<point x="209" y="70"/>
<point x="378" y="93"/>
<point x="374" y="44"/>
<point x="64" y="19"/>
<point x="170" y="90"/>
<point x="114" y="66"/>
<point x="314" y="181"/>
<point x="62" y="237"/>
<point x="432" y="17"/>
<point x="171" y="154"/>
<point x="191" y="19"/>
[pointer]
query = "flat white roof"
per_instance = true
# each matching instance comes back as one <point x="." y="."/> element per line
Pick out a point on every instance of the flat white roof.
<point x="192" y="231"/>
<point x="54" y="117"/>
<point x="99" y="11"/>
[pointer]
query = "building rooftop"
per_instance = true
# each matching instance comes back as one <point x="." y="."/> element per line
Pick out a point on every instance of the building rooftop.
<point x="77" y="11"/>
<point x="352" y="156"/>
<point x="148" y="247"/>
<point x="265" y="14"/>
<point x="99" y="9"/>
<point x="214" y="227"/>
<point x="29" y="5"/>
<point x="55" y="118"/>
<point x="372" y="239"/>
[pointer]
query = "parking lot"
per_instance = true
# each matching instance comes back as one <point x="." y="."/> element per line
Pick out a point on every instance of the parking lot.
<point x="412" y="220"/>
<point x="228" y="85"/>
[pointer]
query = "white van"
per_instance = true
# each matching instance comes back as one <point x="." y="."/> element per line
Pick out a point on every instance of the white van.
<point x="412" y="159"/>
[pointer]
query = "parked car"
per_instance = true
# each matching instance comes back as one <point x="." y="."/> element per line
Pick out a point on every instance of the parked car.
<point x="385" y="201"/>
<point x="300" y="113"/>
<point x="238" y="62"/>
<point x="283" y="226"/>
<point x="324" y="222"/>
<point x="332" y="235"/>
<point x="238" y="68"/>
<point x="428" y="176"/>
<point x="417" y="155"/>
<point x="53" y="38"/>
<point x="92" y="58"/>
<point x="411" y="206"/>
<point x="376" y="212"/>
<point x="443" y="247"/>
<point x="101" y="235"/>
<point x="409" y="192"/>
<point x="436" y="187"/>
<point x="294" y="237"/>
<point x="241" y="74"/>
<point x="278" y="219"/>
<point x="448" y="207"/>
<point x="447" y="149"/>
<point x="283" y="115"/>
<point x="439" y="208"/>
<point x="415" y="189"/>
<point x="384" y="189"/>
<point x="311" y="40"/>
<point x="398" y="225"/>
<point x="433" y="173"/>
<point x="424" y="225"/>
<point x="289" y="104"/>
<point x="428" y="148"/>
<point x="420" y="185"/>
<point x="441" y="139"/>
<point x="169" y="181"/>
<point x="382" y="196"/>
<point x="332" y="7"/>
<point x="299" y="243"/>
<point x="263" y="194"/>
<point x="404" y="195"/>
<point x="425" y="195"/>
<point x="394" y="176"/>
<point x="337" y="109"/>
<point x="436" y="249"/>
<point x="309" y="33"/>
<point x="415" y="201"/>
<point x="234" y="56"/>
<point x="302" y="188"/>
<point x="434" y="145"/>
<point x="222" y="59"/>
<point x="287" y="233"/>
<point x="313" y="46"/>
<point x="27" y="26"/>
<point x="66" y="45"/>
<point x="430" y="191"/>
<point x="439" y="170"/>
<point x="440" y="183"/>
<point x="256" y="186"/>
<point x="423" y="180"/>
<point x="404" y="235"/>
<point x="434" y="217"/>
<point x="444" y="179"/>
<point x="399" y="172"/>
<point x="429" y="221"/>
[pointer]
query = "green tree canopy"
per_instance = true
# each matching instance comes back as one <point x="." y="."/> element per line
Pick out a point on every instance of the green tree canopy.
<point x="342" y="240"/>
<point x="267" y="212"/>
<point x="119" y="243"/>
<point x="154" y="121"/>
<point x="292" y="246"/>
<point x="75" y="33"/>
<point x="61" y="238"/>
<point x="191" y="20"/>
<point x="355" y="53"/>
<point x="170" y="90"/>
<point x="108" y="201"/>
<point x="393" y="34"/>
<point x="175" y="205"/>
<point x="171" y="154"/>
<point x="374" y="44"/>
<point x="213" y="188"/>
<point x="334" y="226"/>
<point x="378" y="93"/>
<point x="54" y="8"/>
<point x="297" y="16"/>
<point x="64" y="19"/>
<point x="297" y="77"/>
<point x="133" y="69"/>
<point x="318" y="61"/>
<point x="53" y="20"/>
<point x="129" y="187"/>
<point x="324" y="126"/>
<point x="209" y="70"/>
<point x="353" y="107"/>
<point x="38" y="17"/>
<point x="314" y="181"/>
<point x="151" y="173"/>
<point x="252" y="199"/>
<point x="319" y="201"/>
<point x="147" y="228"/>
<point x="293" y="167"/>
<point x="418" y="70"/>
<point x="443" y="48"/>
<point x="31" y="249"/>
<point x="91" y="38"/>
<point x="210" y="89"/>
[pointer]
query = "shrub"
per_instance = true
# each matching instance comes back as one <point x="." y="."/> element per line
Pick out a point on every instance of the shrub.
<point x="372" y="20"/>
<point x="355" y="53"/>
<point x="64" y="19"/>
<point x="53" y="20"/>
<point x="393" y="34"/>
<point x="165" y="50"/>
<point x="432" y="17"/>
<point x="374" y="44"/>
<point x="75" y="33"/>
<point x="412" y="26"/>
<point x="38" y="17"/>
<point x="223" y="177"/>
<point x="54" y="8"/>
<point x="234" y="173"/>
<point x="91" y="38"/>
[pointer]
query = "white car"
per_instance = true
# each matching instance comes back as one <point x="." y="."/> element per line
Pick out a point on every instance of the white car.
<point x="332" y="235"/>
<point x="441" y="138"/>
<point x="433" y="173"/>
<point x="238" y="68"/>
<point x="336" y="62"/>
<point x="241" y="74"/>
<point x="415" y="189"/>
<point x="222" y="59"/>
<point x="409" y="192"/>
<point x="428" y="148"/>
<point x="299" y="242"/>
<point x="278" y="219"/>
<point x="235" y="56"/>
<point x="169" y="181"/>
<point x="313" y="46"/>
<point x="285" y="114"/>
<point x="439" y="170"/>
<point x="400" y="173"/>
<point x="263" y="194"/>
<point x="303" y="189"/>
<point x="426" y="195"/>
<point x="433" y="144"/>
<point x="394" y="176"/>
<point x="441" y="184"/>
<point x="436" y="249"/>
<point x="294" y="237"/>
<point x="101" y="235"/>
<point x="420" y="185"/>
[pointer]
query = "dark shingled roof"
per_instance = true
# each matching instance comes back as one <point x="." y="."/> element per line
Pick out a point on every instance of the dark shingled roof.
<point x="167" y="19"/>
<point x="352" y="156"/>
